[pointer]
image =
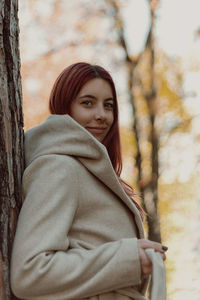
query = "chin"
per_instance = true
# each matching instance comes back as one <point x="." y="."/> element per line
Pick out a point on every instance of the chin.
<point x="100" y="139"/>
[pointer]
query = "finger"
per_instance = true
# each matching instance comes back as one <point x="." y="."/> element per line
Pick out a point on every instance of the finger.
<point x="146" y="265"/>
<point x="144" y="244"/>
<point x="144" y="258"/>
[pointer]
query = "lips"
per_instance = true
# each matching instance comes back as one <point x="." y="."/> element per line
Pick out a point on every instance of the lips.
<point x="97" y="130"/>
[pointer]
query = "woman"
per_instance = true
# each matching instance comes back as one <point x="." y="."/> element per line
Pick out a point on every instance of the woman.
<point x="79" y="233"/>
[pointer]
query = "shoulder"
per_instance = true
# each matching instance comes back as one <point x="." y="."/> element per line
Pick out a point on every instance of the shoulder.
<point x="53" y="165"/>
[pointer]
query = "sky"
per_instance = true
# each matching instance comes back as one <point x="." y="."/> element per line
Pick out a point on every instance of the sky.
<point x="176" y="23"/>
<point x="178" y="20"/>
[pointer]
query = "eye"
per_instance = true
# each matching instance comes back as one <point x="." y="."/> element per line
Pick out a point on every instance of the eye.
<point x="87" y="102"/>
<point x="109" y="105"/>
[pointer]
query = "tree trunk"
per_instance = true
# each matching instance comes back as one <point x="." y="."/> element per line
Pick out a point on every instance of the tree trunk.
<point x="150" y="191"/>
<point x="11" y="137"/>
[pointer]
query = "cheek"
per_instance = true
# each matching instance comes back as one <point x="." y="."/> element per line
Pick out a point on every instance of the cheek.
<point x="80" y="115"/>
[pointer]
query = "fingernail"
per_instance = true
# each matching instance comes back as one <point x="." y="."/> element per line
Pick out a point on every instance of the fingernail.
<point x="165" y="248"/>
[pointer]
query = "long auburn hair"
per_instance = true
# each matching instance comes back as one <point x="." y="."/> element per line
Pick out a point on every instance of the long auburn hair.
<point x="66" y="88"/>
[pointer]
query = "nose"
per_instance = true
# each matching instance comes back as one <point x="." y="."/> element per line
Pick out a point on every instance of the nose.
<point x="100" y="114"/>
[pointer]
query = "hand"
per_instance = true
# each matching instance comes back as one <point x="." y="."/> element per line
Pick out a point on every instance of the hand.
<point x="146" y="265"/>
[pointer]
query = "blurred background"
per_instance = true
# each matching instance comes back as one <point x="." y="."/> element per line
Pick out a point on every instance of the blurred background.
<point x="151" y="48"/>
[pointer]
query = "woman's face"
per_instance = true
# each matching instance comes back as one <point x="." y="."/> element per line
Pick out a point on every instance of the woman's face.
<point x="93" y="108"/>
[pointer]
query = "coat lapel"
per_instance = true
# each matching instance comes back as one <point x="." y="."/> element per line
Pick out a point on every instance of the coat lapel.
<point x="104" y="171"/>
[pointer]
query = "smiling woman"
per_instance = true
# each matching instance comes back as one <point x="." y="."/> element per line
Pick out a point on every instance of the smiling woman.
<point x="93" y="108"/>
<point x="66" y="89"/>
<point x="80" y="232"/>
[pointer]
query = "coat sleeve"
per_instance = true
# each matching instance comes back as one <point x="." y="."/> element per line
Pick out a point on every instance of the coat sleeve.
<point x="43" y="266"/>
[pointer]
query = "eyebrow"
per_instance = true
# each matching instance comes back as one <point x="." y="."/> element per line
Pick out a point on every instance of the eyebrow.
<point x="93" y="97"/>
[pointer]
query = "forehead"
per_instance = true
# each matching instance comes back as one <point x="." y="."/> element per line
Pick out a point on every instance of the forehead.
<point x="97" y="86"/>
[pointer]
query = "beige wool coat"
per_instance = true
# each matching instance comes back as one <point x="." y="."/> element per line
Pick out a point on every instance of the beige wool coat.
<point x="77" y="231"/>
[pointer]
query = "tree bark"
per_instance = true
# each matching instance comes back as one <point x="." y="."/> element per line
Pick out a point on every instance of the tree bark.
<point x="11" y="137"/>
<point x="150" y="190"/>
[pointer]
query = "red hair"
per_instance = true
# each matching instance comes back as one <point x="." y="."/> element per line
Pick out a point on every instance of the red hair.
<point x="66" y="88"/>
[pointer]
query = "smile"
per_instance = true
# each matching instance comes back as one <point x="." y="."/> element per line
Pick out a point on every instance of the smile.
<point x="97" y="130"/>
